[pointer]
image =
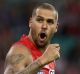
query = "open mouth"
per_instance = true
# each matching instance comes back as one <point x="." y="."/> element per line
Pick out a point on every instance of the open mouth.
<point x="42" y="35"/>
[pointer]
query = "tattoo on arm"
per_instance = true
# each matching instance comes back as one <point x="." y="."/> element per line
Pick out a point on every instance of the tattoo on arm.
<point x="33" y="68"/>
<point x="15" y="59"/>
<point x="11" y="61"/>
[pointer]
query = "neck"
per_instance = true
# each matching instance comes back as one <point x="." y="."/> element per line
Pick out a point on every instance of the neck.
<point x="42" y="49"/>
<point x="30" y="37"/>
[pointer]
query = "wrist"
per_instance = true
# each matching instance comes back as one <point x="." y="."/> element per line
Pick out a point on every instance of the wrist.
<point x="42" y="61"/>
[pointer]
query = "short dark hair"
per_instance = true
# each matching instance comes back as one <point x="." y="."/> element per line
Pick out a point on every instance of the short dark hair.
<point x="44" y="6"/>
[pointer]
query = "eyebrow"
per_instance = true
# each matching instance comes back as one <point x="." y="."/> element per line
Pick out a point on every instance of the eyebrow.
<point x="43" y="17"/>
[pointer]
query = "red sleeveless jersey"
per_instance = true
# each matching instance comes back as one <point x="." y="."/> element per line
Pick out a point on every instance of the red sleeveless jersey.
<point x="35" y="52"/>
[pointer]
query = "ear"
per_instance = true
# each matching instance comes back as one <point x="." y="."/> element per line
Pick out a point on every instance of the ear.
<point x="30" y="22"/>
<point x="56" y="27"/>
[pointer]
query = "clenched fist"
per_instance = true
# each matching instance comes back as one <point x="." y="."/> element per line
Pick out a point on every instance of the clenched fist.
<point x="50" y="54"/>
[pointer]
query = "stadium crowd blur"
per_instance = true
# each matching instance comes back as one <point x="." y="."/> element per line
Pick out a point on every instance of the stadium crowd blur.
<point x="14" y="16"/>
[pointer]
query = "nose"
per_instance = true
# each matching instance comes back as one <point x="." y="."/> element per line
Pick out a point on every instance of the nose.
<point x="44" y="25"/>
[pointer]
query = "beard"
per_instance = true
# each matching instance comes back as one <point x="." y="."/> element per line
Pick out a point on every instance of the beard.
<point x="41" y="44"/>
<point x="41" y="39"/>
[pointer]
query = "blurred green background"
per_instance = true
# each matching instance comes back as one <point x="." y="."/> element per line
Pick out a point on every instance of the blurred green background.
<point x="14" y="16"/>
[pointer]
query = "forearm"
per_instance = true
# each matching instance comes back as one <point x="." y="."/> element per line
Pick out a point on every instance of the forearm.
<point x="33" y="68"/>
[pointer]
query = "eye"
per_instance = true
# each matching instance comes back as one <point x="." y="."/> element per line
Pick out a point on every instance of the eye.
<point x="50" y="21"/>
<point x="40" y="20"/>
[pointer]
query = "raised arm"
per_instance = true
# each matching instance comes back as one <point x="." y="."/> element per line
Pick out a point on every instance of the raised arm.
<point x="19" y="60"/>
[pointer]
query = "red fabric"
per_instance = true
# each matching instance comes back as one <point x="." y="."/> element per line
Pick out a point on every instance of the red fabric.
<point x="35" y="54"/>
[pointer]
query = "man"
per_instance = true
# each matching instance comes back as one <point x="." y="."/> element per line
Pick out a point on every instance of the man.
<point x="33" y="54"/>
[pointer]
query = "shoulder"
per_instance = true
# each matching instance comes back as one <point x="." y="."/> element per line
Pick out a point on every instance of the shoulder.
<point x="17" y="49"/>
<point x="18" y="52"/>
